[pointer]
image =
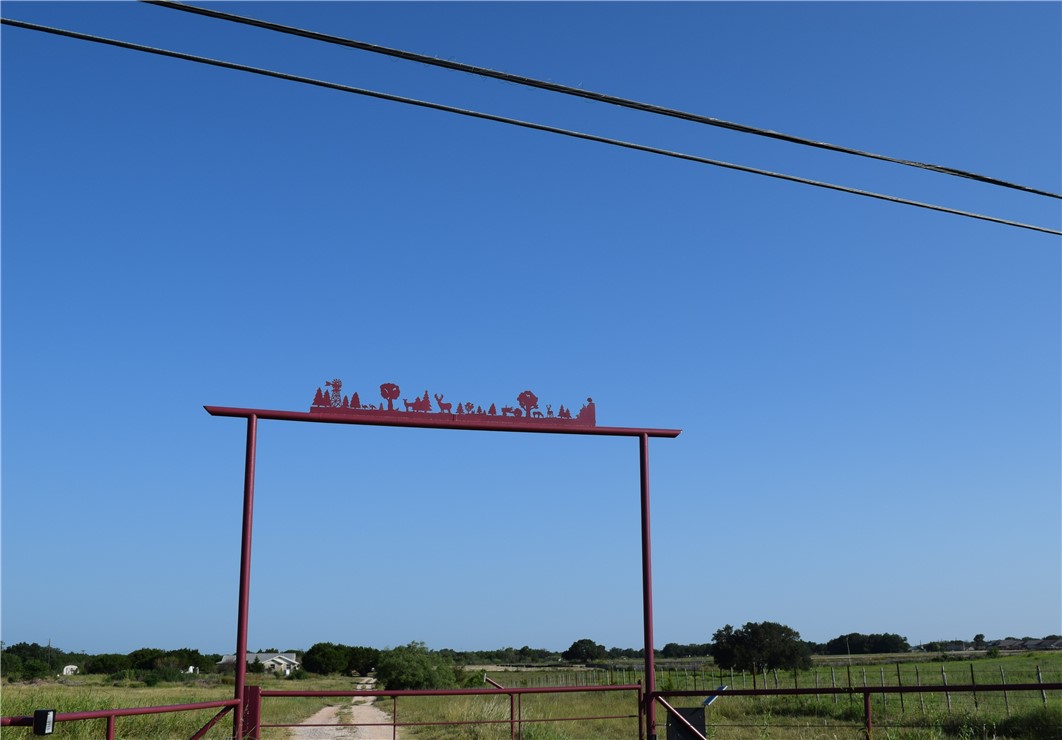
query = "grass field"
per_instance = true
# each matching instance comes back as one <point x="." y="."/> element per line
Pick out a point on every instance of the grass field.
<point x="94" y="693"/>
<point x="917" y="716"/>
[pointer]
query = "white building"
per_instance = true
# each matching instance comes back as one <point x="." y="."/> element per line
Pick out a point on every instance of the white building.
<point x="283" y="663"/>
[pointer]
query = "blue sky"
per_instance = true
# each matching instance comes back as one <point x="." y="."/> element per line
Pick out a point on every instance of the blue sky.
<point x="869" y="393"/>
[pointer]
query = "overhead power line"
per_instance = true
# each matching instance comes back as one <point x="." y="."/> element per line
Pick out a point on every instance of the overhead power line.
<point x="510" y="121"/>
<point x="589" y="95"/>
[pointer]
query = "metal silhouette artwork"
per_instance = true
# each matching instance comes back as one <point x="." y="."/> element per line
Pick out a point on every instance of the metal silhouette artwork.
<point x="526" y="407"/>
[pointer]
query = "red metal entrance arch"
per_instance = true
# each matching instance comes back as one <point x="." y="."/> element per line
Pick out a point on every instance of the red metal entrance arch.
<point x="335" y="409"/>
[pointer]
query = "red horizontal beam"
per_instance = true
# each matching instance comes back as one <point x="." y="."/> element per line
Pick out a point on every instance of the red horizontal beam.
<point x="456" y="692"/>
<point x="128" y="712"/>
<point x="443" y="421"/>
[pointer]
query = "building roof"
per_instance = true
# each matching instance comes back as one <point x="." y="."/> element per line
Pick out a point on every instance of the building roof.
<point x="282" y="658"/>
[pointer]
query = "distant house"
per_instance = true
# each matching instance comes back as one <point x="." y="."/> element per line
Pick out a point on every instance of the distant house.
<point x="283" y="663"/>
<point x="1013" y="644"/>
<point x="1008" y="644"/>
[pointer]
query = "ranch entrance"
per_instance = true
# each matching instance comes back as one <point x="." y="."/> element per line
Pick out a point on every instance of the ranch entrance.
<point x="332" y="407"/>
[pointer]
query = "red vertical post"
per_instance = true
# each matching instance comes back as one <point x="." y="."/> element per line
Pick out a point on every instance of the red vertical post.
<point x="512" y="716"/>
<point x="245" y="577"/>
<point x="647" y="592"/>
<point x="252" y="712"/>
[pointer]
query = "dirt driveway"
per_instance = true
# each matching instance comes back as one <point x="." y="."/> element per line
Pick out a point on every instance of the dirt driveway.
<point x="360" y="710"/>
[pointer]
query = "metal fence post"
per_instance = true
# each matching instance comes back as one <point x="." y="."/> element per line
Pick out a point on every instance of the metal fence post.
<point x="647" y="591"/>
<point x="866" y="712"/>
<point x="245" y="575"/>
<point x="512" y="716"/>
<point x="1003" y="682"/>
<point x="252" y="712"/>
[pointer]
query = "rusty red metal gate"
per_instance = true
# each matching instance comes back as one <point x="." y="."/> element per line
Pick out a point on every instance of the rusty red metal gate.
<point x="333" y="407"/>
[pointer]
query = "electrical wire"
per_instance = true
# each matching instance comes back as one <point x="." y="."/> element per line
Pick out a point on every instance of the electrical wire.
<point x="510" y="121"/>
<point x="589" y="95"/>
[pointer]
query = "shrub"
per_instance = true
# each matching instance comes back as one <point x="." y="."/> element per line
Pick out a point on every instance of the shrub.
<point x="413" y="666"/>
<point x="326" y="657"/>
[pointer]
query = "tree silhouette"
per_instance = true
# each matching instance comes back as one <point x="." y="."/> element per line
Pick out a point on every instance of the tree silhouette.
<point x="760" y="646"/>
<point x="584" y="650"/>
<point x="355" y="401"/>
<point x="527" y="401"/>
<point x="390" y="392"/>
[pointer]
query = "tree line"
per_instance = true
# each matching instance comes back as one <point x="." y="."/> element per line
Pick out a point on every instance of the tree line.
<point x="27" y="661"/>
<point x="756" y="647"/>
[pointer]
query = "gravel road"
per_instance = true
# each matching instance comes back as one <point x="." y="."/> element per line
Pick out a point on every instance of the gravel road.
<point x="361" y="710"/>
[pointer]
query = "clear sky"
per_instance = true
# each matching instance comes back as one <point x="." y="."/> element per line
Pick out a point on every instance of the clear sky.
<point x="869" y="393"/>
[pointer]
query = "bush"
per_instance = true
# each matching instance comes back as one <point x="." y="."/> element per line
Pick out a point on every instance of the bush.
<point x="107" y="664"/>
<point x="326" y="657"/>
<point x="413" y="666"/>
<point x="11" y="667"/>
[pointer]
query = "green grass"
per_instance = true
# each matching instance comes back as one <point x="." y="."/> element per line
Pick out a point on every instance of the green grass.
<point x="91" y="695"/>
<point x="1021" y="716"/>
<point x="94" y="693"/>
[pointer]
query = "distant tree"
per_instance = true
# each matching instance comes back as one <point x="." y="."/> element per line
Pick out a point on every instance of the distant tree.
<point x="256" y="666"/>
<point x="675" y="650"/>
<point x="533" y="655"/>
<point x="855" y="643"/>
<point x="184" y="658"/>
<point x="362" y="660"/>
<point x="389" y="392"/>
<point x="325" y="658"/>
<point x="979" y="641"/>
<point x="413" y="666"/>
<point x="585" y="650"/>
<point x="760" y="646"/>
<point x="144" y="658"/>
<point x="11" y="667"/>
<point x="672" y="650"/>
<point x="36" y="668"/>
<point x="108" y="664"/>
<point x="53" y="658"/>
